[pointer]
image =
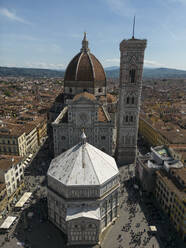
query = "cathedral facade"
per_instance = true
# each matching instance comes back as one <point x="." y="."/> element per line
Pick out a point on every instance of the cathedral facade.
<point x="110" y="124"/>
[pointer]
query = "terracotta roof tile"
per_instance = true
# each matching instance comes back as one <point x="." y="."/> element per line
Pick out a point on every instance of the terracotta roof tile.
<point x="111" y="98"/>
<point x="85" y="67"/>
<point x="6" y="161"/>
<point x="85" y="95"/>
<point x="101" y="115"/>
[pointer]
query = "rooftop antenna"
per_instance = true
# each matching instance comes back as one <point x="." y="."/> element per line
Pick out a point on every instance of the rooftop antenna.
<point x="133" y="27"/>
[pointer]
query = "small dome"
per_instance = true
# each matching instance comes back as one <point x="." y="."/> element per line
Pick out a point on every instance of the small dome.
<point x="85" y="66"/>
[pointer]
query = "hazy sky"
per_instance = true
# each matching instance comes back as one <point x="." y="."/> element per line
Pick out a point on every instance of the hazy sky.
<point x="48" y="33"/>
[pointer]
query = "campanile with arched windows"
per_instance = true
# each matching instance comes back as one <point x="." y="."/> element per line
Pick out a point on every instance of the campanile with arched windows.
<point x="131" y="69"/>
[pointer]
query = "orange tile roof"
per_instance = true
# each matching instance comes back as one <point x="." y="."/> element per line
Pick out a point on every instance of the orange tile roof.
<point x="6" y="161"/>
<point x="111" y="98"/>
<point x="101" y="115"/>
<point x="85" y="95"/>
<point x="10" y="129"/>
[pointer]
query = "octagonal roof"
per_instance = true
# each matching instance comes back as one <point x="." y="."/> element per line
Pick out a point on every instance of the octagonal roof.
<point x="82" y="165"/>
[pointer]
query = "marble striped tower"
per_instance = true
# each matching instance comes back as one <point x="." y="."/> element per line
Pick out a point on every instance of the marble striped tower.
<point x="131" y="69"/>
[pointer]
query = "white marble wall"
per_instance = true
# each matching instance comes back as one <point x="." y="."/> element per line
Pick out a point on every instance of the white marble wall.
<point x="131" y="62"/>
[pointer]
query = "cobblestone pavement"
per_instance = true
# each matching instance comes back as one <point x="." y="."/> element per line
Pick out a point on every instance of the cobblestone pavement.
<point x="137" y="213"/>
<point x="131" y="228"/>
<point x="129" y="231"/>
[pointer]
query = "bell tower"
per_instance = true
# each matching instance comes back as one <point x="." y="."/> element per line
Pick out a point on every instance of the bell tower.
<point x="131" y="69"/>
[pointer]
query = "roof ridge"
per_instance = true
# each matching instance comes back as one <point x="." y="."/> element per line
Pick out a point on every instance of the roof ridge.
<point x="91" y="65"/>
<point x="92" y="164"/>
<point x="95" y="148"/>
<point x="99" y="64"/>
<point x="78" y="65"/>
<point x="70" y="63"/>
<point x="74" y="162"/>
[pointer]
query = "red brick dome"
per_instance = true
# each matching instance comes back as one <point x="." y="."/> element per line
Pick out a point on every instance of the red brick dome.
<point x="85" y="66"/>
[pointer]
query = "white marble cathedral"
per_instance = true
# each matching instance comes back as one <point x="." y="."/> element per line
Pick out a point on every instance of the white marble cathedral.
<point x="111" y="126"/>
<point x="131" y="70"/>
<point x="83" y="178"/>
<point x="83" y="187"/>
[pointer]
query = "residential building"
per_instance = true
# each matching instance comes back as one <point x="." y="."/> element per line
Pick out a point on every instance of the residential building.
<point x="157" y="132"/>
<point x="170" y="192"/>
<point x="160" y="158"/>
<point x="31" y="138"/>
<point x="163" y="176"/>
<point x="12" y="176"/>
<point x="12" y="140"/>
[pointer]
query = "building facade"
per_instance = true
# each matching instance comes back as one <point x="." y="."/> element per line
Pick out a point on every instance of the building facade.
<point x="160" y="158"/>
<point x="12" y="140"/>
<point x="83" y="112"/>
<point x="31" y="138"/>
<point x="84" y="104"/>
<point x="131" y="69"/>
<point x="170" y="193"/>
<point x="162" y="175"/>
<point x="12" y="177"/>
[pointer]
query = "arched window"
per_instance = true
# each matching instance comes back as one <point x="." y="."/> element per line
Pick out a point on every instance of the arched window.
<point x="70" y="90"/>
<point x="132" y="100"/>
<point x="128" y="99"/>
<point x="131" y="118"/>
<point x="127" y="118"/>
<point x="132" y="73"/>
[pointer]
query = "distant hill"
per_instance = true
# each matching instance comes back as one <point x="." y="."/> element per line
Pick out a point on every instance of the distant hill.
<point x="152" y="73"/>
<point x="111" y="72"/>
<point x="111" y="68"/>
<point x="163" y="73"/>
<point x="30" y="72"/>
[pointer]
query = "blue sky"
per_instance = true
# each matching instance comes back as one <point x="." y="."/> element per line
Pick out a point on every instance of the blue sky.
<point x="48" y="33"/>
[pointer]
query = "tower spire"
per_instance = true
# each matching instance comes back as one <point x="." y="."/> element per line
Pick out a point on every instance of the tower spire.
<point x="133" y="27"/>
<point x="85" y="44"/>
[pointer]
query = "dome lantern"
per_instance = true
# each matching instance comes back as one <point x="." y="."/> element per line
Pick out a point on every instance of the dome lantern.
<point x="85" y="44"/>
<point x="85" y="73"/>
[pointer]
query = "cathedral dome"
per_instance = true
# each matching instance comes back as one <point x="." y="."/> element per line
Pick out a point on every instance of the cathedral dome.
<point x="85" y="72"/>
<point x="85" y="66"/>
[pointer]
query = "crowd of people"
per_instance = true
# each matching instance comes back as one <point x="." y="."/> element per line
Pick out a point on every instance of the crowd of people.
<point x="129" y="202"/>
